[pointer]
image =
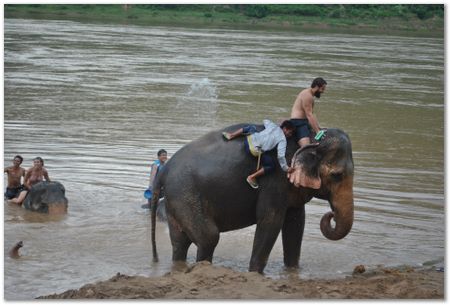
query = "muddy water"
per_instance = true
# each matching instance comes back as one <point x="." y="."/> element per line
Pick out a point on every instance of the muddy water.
<point x="98" y="101"/>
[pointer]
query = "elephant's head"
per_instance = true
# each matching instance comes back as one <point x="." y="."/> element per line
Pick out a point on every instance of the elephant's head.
<point x="47" y="197"/>
<point x="327" y="168"/>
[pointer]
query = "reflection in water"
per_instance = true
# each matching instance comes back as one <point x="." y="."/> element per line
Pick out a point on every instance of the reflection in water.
<point x="98" y="101"/>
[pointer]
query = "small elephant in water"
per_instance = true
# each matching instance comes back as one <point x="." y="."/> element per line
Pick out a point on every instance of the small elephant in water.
<point x="47" y="197"/>
<point x="206" y="193"/>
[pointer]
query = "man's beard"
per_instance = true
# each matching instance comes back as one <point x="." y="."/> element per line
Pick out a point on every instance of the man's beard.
<point x="317" y="94"/>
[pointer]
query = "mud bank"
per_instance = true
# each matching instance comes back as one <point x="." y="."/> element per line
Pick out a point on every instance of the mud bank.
<point x="205" y="281"/>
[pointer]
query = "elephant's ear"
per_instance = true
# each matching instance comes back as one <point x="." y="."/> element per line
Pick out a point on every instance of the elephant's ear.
<point x="306" y="163"/>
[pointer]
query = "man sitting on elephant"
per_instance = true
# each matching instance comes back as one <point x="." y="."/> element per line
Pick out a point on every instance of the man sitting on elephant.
<point x="257" y="143"/>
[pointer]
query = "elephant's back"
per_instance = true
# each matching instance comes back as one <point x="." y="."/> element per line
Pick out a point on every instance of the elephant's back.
<point x="213" y="170"/>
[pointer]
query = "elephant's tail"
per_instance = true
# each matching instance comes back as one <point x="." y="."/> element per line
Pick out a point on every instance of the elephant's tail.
<point x="157" y="185"/>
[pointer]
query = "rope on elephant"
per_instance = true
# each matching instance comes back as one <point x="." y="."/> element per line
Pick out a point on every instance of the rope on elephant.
<point x="259" y="160"/>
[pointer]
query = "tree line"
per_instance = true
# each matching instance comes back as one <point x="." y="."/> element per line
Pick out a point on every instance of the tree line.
<point x="372" y="11"/>
<point x="421" y="11"/>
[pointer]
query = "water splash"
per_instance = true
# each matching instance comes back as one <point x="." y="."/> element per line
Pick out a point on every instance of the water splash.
<point x="200" y="102"/>
<point x="203" y="89"/>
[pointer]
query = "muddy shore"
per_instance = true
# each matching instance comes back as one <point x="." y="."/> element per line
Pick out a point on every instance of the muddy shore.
<point x="205" y="281"/>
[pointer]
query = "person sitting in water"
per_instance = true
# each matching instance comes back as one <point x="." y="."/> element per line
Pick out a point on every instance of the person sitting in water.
<point x="15" y="174"/>
<point x="34" y="175"/>
<point x="257" y="143"/>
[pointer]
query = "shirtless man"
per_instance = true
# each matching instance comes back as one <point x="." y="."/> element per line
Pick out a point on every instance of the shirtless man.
<point x="34" y="175"/>
<point x="302" y="111"/>
<point x="15" y="174"/>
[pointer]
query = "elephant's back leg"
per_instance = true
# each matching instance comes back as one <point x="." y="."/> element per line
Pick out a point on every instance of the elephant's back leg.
<point x="196" y="226"/>
<point x="179" y="240"/>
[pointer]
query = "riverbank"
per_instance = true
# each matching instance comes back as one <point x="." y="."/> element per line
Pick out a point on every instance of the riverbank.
<point x="206" y="281"/>
<point x="211" y="16"/>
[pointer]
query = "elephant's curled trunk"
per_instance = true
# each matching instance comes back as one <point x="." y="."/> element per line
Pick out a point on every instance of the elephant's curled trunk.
<point x="342" y="214"/>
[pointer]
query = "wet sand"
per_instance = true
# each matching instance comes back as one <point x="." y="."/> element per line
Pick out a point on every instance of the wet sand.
<point x="205" y="281"/>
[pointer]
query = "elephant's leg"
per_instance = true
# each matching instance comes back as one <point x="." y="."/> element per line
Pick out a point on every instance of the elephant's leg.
<point x="179" y="239"/>
<point x="292" y="234"/>
<point x="206" y="239"/>
<point x="267" y="229"/>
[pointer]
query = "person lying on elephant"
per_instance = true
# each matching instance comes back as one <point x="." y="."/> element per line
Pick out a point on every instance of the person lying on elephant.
<point x="257" y="143"/>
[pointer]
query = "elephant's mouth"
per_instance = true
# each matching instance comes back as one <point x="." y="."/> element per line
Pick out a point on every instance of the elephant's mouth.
<point x="57" y="208"/>
<point x="300" y="179"/>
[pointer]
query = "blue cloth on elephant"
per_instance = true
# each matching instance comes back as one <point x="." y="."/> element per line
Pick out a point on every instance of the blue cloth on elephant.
<point x="302" y="128"/>
<point x="13" y="192"/>
<point x="249" y="129"/>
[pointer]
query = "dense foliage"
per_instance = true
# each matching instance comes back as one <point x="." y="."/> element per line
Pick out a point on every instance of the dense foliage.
<point x="374" y="11"/>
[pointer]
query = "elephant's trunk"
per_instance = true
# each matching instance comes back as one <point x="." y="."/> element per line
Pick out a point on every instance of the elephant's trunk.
<point x="342" y="204"/>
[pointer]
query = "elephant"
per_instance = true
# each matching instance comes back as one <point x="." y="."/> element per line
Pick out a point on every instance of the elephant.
<point x="47" y="197"/>
<point x="206" y="193"/>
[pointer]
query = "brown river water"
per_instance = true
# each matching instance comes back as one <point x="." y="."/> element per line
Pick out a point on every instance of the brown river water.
<point x="97" y="101"/>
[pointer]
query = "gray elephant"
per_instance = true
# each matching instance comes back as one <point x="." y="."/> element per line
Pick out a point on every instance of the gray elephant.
<point x="206" y="193"/>
<point x="47" y="197"/>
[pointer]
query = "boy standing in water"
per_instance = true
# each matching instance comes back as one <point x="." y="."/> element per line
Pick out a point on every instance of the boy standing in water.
<point x="15" y="174"/>
<point x="156" y="166"/>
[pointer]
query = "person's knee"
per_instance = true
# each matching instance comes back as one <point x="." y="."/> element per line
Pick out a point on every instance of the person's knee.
<point x="249" y="129"/>
<point x="304" y="141"/>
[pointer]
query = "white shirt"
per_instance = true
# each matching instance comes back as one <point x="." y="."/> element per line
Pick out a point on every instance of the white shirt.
<point x="270" y="137"/>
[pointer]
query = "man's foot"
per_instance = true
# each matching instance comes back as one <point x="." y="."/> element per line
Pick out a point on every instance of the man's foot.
<point x="226" y="135"/>
<point x="252" y="183"/>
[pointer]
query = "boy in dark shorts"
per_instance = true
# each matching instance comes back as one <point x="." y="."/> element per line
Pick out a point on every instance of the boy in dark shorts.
<point x="15" y="174"/>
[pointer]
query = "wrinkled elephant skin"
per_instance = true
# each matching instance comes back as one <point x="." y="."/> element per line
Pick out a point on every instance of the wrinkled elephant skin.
<point x="206" y="193"/>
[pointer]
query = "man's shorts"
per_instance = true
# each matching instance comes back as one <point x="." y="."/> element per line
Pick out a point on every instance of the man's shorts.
<point x="267" y="161"/>
<point x="302" y="128"/>
<point x="13" y="192"/>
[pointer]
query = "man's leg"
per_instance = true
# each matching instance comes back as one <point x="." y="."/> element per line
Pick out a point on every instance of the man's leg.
<point x="19" y="199"/>
<point x="230" y="136"/>
<point x="304" y="141"/>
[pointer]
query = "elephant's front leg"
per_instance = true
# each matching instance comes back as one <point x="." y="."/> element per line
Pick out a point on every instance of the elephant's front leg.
<point x="292" y="234"/>
<point x="267" y="229"/>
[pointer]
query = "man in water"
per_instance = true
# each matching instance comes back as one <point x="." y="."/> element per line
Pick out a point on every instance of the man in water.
<point x="302" y="111"/>
<point x="34" y="175"/>
<point x="15" y="174"/>
<point x="156" y="166"/>
<point x="257" y="143"/>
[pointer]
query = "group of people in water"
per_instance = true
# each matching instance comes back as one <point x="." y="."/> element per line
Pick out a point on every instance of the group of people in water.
<point x="20" y="180"/>
<point x="301" y="124"/>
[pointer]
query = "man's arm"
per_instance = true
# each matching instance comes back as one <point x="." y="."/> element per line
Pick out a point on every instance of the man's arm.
<point x="281" y="149"/>
<point x="308" y="108"/>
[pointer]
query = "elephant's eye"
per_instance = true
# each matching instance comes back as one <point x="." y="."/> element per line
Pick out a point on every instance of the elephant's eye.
<point x="337" y="176"/>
